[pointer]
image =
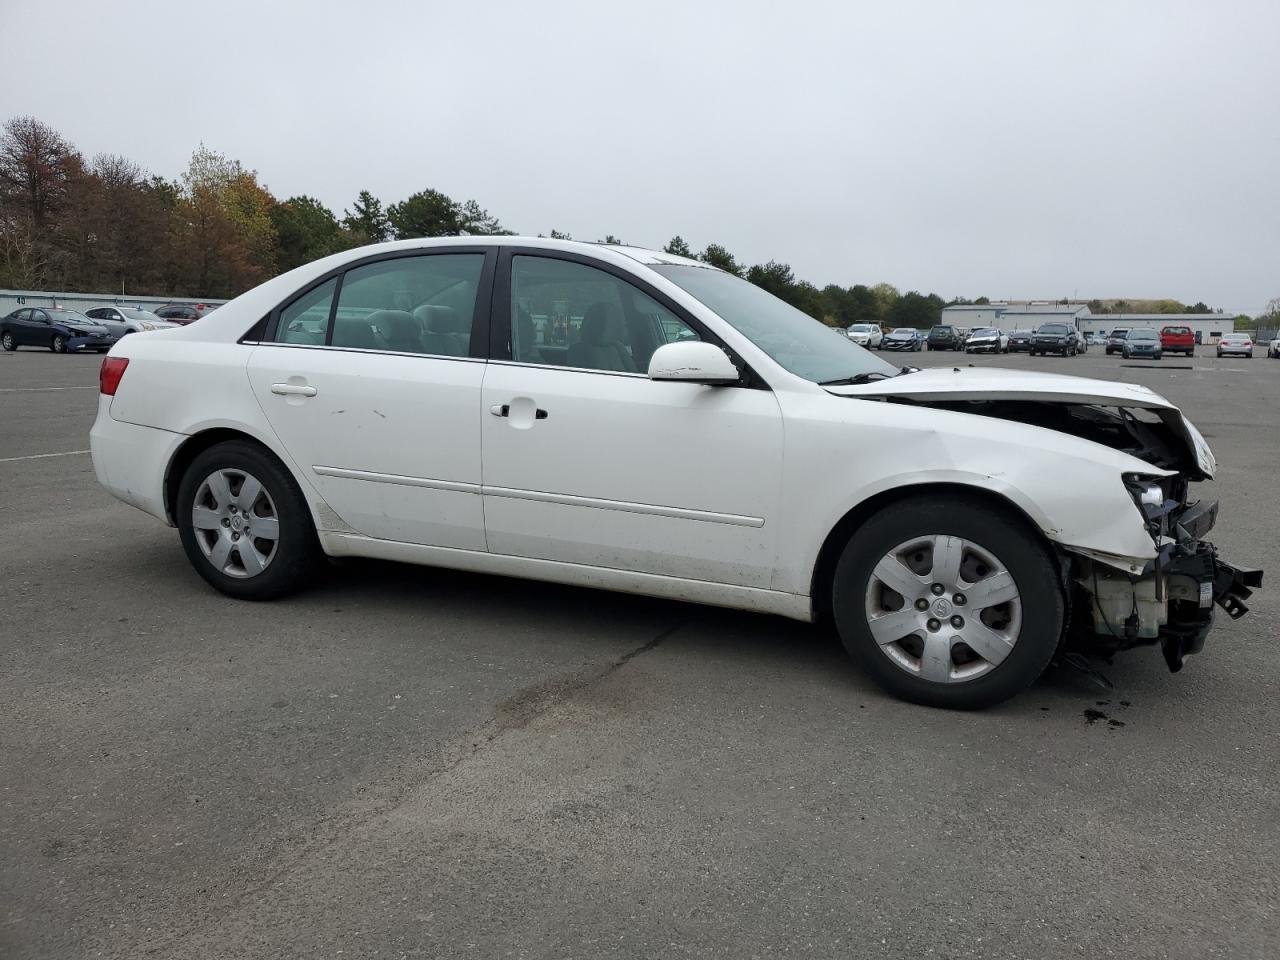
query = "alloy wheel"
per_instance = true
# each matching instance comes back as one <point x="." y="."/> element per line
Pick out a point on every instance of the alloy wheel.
<point x="235" y="523"/>
<point x="943" y="608"/>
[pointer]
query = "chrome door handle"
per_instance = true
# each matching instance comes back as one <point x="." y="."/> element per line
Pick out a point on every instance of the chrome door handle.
<point x="293" y="390"/>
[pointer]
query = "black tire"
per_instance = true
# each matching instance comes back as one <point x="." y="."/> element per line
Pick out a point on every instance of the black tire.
<point x="58" y="344"/>
<point x="298" y="552"/>
<point x="8" y="342"/>
<point x="1001" y="532"/>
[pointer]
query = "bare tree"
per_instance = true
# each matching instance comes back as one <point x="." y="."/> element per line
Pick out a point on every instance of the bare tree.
<point x="35" y="162"/>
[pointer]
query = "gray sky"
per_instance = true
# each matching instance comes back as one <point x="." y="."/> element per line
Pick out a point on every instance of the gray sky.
<point x="1008" y="149"/>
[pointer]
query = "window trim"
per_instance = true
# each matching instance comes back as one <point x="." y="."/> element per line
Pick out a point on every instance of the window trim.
<point x="500" y="323"/>
<point x="263" y="332"/>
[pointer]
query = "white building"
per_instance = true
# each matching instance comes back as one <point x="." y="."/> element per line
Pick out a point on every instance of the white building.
<point x="1210" y="326"/>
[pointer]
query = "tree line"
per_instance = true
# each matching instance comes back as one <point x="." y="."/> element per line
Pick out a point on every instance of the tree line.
<point x="68" y="222"/>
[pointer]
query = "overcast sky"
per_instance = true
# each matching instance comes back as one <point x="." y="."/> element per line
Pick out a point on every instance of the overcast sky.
<point x="1021" y="149"/>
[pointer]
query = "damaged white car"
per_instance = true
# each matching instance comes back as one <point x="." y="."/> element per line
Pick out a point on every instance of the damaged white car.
<point x="623" y="419"/>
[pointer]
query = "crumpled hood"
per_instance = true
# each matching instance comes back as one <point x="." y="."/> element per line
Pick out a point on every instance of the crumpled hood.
<point x="988" y="385"/>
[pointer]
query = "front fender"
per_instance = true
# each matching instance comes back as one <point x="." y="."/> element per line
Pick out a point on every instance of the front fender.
<point x="846" y="454"/>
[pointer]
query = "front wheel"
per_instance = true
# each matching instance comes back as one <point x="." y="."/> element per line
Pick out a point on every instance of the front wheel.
<point x="59" y="344"/>
<point x="948" y="601"/>
<point x="244" y="524"/>
<point x="8" y="342"/>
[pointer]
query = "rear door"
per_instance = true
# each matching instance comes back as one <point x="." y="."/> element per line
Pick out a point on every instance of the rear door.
<point x="588" y="461"/>
<point x="370" y="380"/>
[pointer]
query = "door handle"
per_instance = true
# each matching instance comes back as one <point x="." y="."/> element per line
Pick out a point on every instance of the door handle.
<point x="293" y="390"/>
<point x="504" y="410"/>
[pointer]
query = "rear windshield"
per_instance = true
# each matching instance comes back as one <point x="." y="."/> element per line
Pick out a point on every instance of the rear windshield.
<point x="942" y="329"/>
<point x="1177" y="329"/>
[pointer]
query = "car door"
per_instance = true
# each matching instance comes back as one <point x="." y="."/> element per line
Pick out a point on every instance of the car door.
<point x="39" y="332"/>
<point x="370" y="381"/>
<point x="18" y="324"/>
<point x="587" y="461"/>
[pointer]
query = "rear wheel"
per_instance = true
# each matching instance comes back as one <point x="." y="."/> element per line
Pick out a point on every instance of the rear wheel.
<point x="949" y="602"/>
<point x="59" y="344"/>
<point x="7" y="341"/>
<point x="244" y="523"/>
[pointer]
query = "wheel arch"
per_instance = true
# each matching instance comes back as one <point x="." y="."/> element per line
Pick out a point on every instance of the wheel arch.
<point x="201" y="441"/>
<point x="829" y="553"/>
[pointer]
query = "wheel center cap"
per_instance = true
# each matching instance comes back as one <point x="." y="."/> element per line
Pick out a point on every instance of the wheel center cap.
<point x="237" y="524"/>
<point x="942" y="607"/>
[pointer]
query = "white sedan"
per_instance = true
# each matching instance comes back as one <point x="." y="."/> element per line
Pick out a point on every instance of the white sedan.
<point x="1273" y="349"/>
<point x="987" y="340"/>
<point x="630" y="420"/>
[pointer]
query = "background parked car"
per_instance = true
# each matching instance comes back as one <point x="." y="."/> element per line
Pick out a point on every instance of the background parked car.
<point x="987" y="340"/>
<point x="1273" y="349"/>
<point x="1095" y="340"/>
<point x="1020" y="341"/>
<point x="1142" y="342"/>
<point x="867" y="335"/>
<point x="944" y="337"/>
<point x="122" y="320"/>
<point x="1238" y="344"/>
<point x="62" y="331"/>
<point x="903" y="338"/>
<point x="1178" y="339"/>
<point x="183" y="313"/>
<point x="1055" y="337"/>
<point x="1115" y="340"/>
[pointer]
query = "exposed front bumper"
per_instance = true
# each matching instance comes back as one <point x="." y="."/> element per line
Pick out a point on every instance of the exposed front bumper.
<point x="899" y="345"/>
<point x="980" y="347"/>
<point x="1171" y="600"/>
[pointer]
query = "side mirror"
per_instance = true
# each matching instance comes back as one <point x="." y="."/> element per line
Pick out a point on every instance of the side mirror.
<point x="693" y="361"/>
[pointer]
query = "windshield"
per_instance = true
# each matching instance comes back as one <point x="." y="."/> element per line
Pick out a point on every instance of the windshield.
<point x="133" y="314"/>
<point x="68" y="316"/>
<point x="1058" y="328"/>
<point x="792" y="339"/>
<point x="1142" y="335"/>
<point x="985" y="332"/>
<point x="909" y="331"/>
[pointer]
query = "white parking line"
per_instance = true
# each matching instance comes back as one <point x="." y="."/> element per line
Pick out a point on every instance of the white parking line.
<point x="43" y="456"/>
<point x="40" y="389"/>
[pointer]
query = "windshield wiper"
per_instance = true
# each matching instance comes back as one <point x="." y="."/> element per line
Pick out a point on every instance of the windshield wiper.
<point x="860" y="378"/>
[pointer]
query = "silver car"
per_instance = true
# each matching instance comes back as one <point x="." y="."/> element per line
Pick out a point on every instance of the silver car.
<point x="122" y="320"/>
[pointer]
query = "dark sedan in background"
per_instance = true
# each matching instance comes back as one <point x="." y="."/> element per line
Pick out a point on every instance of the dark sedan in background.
<point x="62" y="331"/>
<point x="904" y="338"/>
<point x="1115" y="340"/>
<point x="1020" y="341"/>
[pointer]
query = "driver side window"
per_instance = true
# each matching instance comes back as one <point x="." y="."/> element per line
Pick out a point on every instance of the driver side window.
<point x="568" y="314"/>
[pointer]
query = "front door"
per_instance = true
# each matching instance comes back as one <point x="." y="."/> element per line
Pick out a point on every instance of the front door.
<point x="588" y="461"/>
<point x="370" y="383"/>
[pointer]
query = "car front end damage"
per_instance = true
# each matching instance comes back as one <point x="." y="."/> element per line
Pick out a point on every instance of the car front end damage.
<point x="1119" y="603"/>
<point x="1163" y="595"/>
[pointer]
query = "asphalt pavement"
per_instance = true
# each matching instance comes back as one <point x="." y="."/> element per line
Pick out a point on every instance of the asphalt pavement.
<point x="408" y="762"/>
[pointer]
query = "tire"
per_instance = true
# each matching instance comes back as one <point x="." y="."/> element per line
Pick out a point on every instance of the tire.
<point x="8" y="343"/>
<point x="1000" y="535"/>
<point x="58" y="344"/>
<point x="295" y="553"/>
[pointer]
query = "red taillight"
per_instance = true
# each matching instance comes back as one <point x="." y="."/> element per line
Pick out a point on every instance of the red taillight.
<point x="110" y="374"/>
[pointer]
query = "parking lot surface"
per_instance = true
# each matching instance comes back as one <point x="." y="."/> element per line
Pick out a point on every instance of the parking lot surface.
<point x="408" y="762"/>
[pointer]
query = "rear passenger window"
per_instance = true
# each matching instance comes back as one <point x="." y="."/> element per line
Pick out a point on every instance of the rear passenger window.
<point x="422" y="304"/>
<point x="306" y="320"/>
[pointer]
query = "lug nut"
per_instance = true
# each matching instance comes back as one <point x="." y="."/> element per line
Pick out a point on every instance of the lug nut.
<point x="235" y="536"/>
<point x="934" y="625"/>
<point x="937" y="588"/>
<point x="957" y="622"/>
<point x="922" y="604"/>
<point x="959" y="600"/>
<point x="226" y="522"/>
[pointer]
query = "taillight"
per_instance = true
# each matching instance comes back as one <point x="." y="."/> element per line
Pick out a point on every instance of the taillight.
<point x="110" y="373"/>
